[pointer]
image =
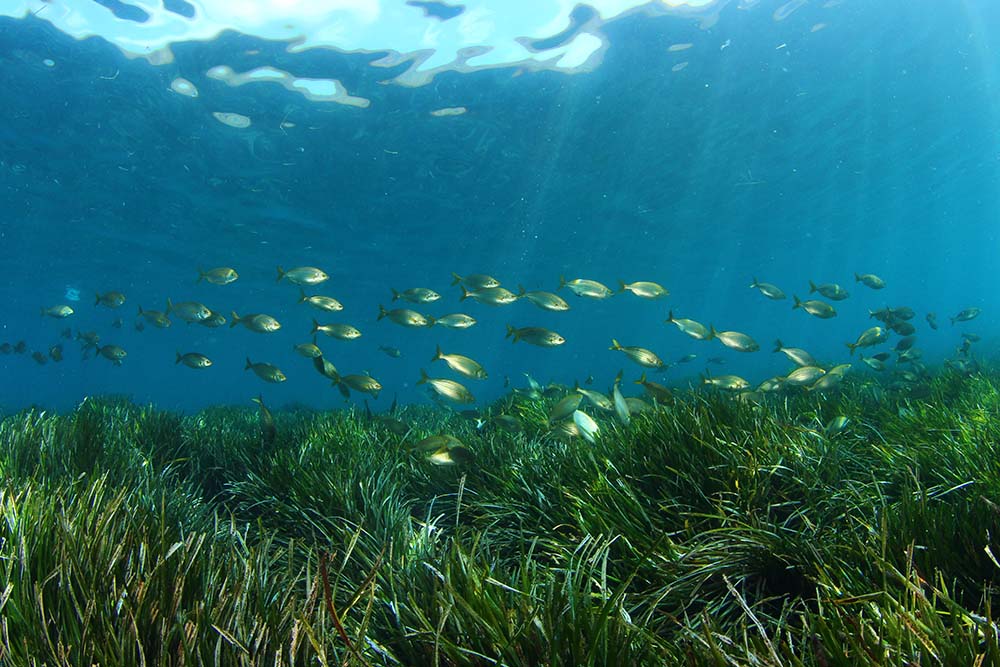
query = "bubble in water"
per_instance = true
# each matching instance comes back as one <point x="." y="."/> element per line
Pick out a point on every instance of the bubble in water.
<point x="182" y="86"/>
<point x="72" y="293"/>
<point x="232" y="119"/>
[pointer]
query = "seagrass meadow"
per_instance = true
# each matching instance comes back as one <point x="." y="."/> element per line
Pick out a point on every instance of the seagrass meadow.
<point x="708" y="532"/>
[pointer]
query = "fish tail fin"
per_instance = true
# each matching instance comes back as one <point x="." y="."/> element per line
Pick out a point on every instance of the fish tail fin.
<point x="302" y="295"/>
<point x="423" y="377"/>
<point x="179" y="357"/>
<point x="455" y="278"/>
<point x="521" y="291"/>
<point x="234" y="319"/>
<point x="97" y="298"/>
<point x="511" y="331"/>
<point x="857" y="278"/>
<point x="140" y="312"/>
<point x="315" y="326"/>
<point x="953" y="319"/>
<point x="249" y="365"/>
<point x="281" y="274"/>
<point x="670" y="316"/>
<point x="562" y="282"/>
<point x="259" y="399"/>
<point x="642" y="378"/>
<point x="395" y="295"/>
<point x="382" y="312"/>
<point x="437" y="354"/>
<point x="755" y="283"/>
<point x="170" y="306"/>
<point x="812" y="287"/>
<point x="778" y="345"/>
<point x="465" y="293"/>
<point x="851" y="346"/>
<point x="430" y="320"/>
<point x="201" y="275"/>
<point x="622" y="286"/>
<point x="711" y="332"/>
<point x="614" y="345"/>
<point x="797" y="304"/>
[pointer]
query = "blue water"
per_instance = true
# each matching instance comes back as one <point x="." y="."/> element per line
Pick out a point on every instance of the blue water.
<point x="872" y="145"/>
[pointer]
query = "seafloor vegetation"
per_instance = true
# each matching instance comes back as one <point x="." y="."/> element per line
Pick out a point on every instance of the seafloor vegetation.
<point x="709" y="532"/>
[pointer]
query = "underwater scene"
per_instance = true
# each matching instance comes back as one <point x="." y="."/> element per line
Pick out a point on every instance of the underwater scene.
<point x="499" y="332"/>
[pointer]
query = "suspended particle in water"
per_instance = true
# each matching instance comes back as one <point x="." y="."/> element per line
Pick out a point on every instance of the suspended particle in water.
<point x="236" y="120"/>
<point x="679" y="66"/>
<point x="182" y="86"/>
<point x="674" y="48"/>
<point x="449" y="111"/>
<point x="48" y="62"/>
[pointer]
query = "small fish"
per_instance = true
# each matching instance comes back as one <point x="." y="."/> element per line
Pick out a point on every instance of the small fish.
<point x="815" y="307"/>
<point x="599" y="400"/>
<point x="535" y="336"/>
<point x="326" y="368"/>
<point x="258" y="322"/>
<point x="213" y="321"/>
<point x="566" y="431"/>
<point x="268" y="431"/>
<point x="902" y="328"/>
<point x="901" y="313"/>
<point x="189" y="311"/>
<point x="391" y="351"/>
<point x="639" y="355"/>
<point x="475" y="281"/>
<point x="687" y="358"/>
<point x="155" y="317"/>
<point x="455" y="321"/>
<point x="966" y="315"/>
<point x="828" y="381"/>
<point x="113" y="353"/>
<point x="804" y="375"/>
<point x="932" y="320"/>
<point x="461" y="364"/>
<point x="728" y="382"/>
<point x="768" y="290"/>
<point x="770" y="385"/>
<point x="657" y="391"/>
<point x="222" y="275"/>
<point x="584" y="287"/>
<point x="646" y="290"/>
<point x="873" y="363"/>
<point x="491" y="296"/>
<point x="266" y="372"/>
<point x="193" y="360"/>
<point x="870" y="280"/>
<point x="734" y="340"/>
<point x="59" y="312"/>
<point x="320" y="302"/>
<point x="405" y="317"/>
<point x="586" y="426"/>
<point x="796" y="355"/>
<point x="433" y="443"/>
<point x="6" y="348"/>
<point x="110" y="299"/>
<point x="309" y="350"/>
<point x="831" y="291"/>
<point x="39" y="358"/>
<point x="56" y="353"/>
<point x="445" y="388"/>
<point x="905" y="343"/>
<point x="416" y="295"/>
<point x="835" y="426"/>
<point x="544" y="300"/>
<point x="341" y="331"/>
<point x="303" y="275"/>
<point x="637" y="405"/>
<point x="694" y="329"/>
<point x="867" y="338"/>
<point x="20" y="347"/>
<point x="564" y="407"/>
<point x="715" y="360"/>
<point x="88" y="337"/>
<point x="508" y="423"/>
<point x="118" y="323"/>
<point x="456" y="455"/>
<point x="621" y="406"/>
<point x="589" y="380"/>
<point x="881" y="356"/>
<point x="364" y="384"/>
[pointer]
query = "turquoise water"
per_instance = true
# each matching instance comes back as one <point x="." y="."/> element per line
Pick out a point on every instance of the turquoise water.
<point x="839" y="138"/>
